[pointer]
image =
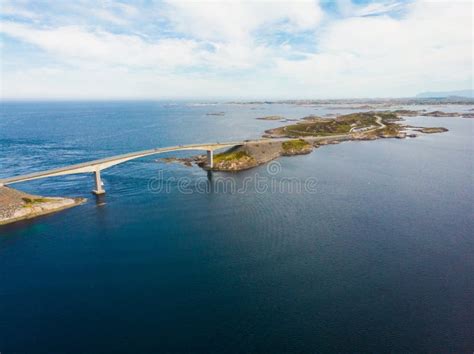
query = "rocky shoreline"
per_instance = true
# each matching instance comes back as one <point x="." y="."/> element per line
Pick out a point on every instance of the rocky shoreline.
<point x="247" y="156"/>
<point x="16" y="205"/>
<point x="312" y="132"/>
<point x="440" y="114"/>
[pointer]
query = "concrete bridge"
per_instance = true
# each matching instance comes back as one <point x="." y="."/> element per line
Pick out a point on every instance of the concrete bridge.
<point x="97" y="166"/>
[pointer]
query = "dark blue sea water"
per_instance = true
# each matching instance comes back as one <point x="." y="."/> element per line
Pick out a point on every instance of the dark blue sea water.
<point x="378" y="258"/>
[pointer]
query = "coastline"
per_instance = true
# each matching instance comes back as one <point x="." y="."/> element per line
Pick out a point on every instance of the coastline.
<point x="309" y="133"/>
<point x="16" y="205"/>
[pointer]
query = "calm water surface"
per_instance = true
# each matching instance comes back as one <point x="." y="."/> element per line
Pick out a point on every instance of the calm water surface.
<point x="378" y="259"/>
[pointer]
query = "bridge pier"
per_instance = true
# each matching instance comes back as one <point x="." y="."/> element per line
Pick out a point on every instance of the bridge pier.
<point x="99" y="189"/>
<point x="210" y="158"/>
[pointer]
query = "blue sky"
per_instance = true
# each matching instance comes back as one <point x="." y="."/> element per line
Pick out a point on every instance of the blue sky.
<point x="148" y="49"/>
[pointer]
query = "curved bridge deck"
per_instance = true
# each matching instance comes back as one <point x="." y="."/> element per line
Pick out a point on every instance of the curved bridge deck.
<point x="96" y="166"/>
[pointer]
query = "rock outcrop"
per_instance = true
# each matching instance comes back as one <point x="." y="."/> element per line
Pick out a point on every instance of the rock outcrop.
<point x="16" y="205"/>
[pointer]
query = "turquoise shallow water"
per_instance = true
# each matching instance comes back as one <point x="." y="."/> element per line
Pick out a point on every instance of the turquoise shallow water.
<point x="377" y="258"/>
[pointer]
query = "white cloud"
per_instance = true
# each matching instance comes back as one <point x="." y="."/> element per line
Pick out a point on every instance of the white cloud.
<point x="229" y="27"/>
<point x="229" y="20"/>
<point x="126" y="9"/>
<point x="226" y="49"/>
<point x="10" y="8"/>
<point x="431" y="47"/>
<point x="78" y="44"/>
<point x="109" y="16"/>
<point x="110" y="11"/>
<point x="349" y="9"/>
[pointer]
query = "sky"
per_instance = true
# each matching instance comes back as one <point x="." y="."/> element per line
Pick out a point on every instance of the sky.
<point x="145" y="49"/>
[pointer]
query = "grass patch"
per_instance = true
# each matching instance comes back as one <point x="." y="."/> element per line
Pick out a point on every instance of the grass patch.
<point x="391" y="129"/>
<point x="331" y="127"/>
<point x="230" y="156"/>
<point x="30" y="202"/>
<point x="35" y="200"/>
<point x="341" y="125"/>
<point x="297" y="144"/>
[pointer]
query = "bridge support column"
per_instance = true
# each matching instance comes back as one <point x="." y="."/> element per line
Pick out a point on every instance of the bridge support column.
<point x="210" y="158"/>
<point x="99" y="189"/>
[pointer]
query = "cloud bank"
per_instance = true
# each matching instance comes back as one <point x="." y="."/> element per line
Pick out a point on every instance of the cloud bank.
<point x="232" y="49"/>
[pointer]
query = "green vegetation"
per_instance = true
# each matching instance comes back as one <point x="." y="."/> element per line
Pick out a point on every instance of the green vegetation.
<point x="234" y="160"/>
<point x="30" y="202"/>
<point x="364" y="118"/>
<point x="391" y="129"/>
<point x="35" y="200"/>
<point x="338" y="126"/>
<point x="320" y="128"/>
<point x="386" y="116"/>
<point x="297" y="144"/>
<point x="311" y="117"/>
<point x="229" y="156"/>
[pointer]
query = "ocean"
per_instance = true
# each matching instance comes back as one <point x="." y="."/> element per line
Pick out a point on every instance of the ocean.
<point x="377" y="256"/>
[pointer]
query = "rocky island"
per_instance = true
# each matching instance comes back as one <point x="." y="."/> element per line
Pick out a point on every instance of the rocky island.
<point x="424" y="113"/>
<point x="270" y="118"/>
<point x="354" y="126"/>
<point x="253" y="154"/>
<point x="312" y="132"/>
<point x="430" y="130"/>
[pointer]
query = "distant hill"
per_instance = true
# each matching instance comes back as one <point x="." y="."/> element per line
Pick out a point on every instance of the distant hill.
<point x="461" y="93"/>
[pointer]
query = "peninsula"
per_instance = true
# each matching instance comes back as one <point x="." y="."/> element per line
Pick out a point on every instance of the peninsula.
<point x="16" y="205"/>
